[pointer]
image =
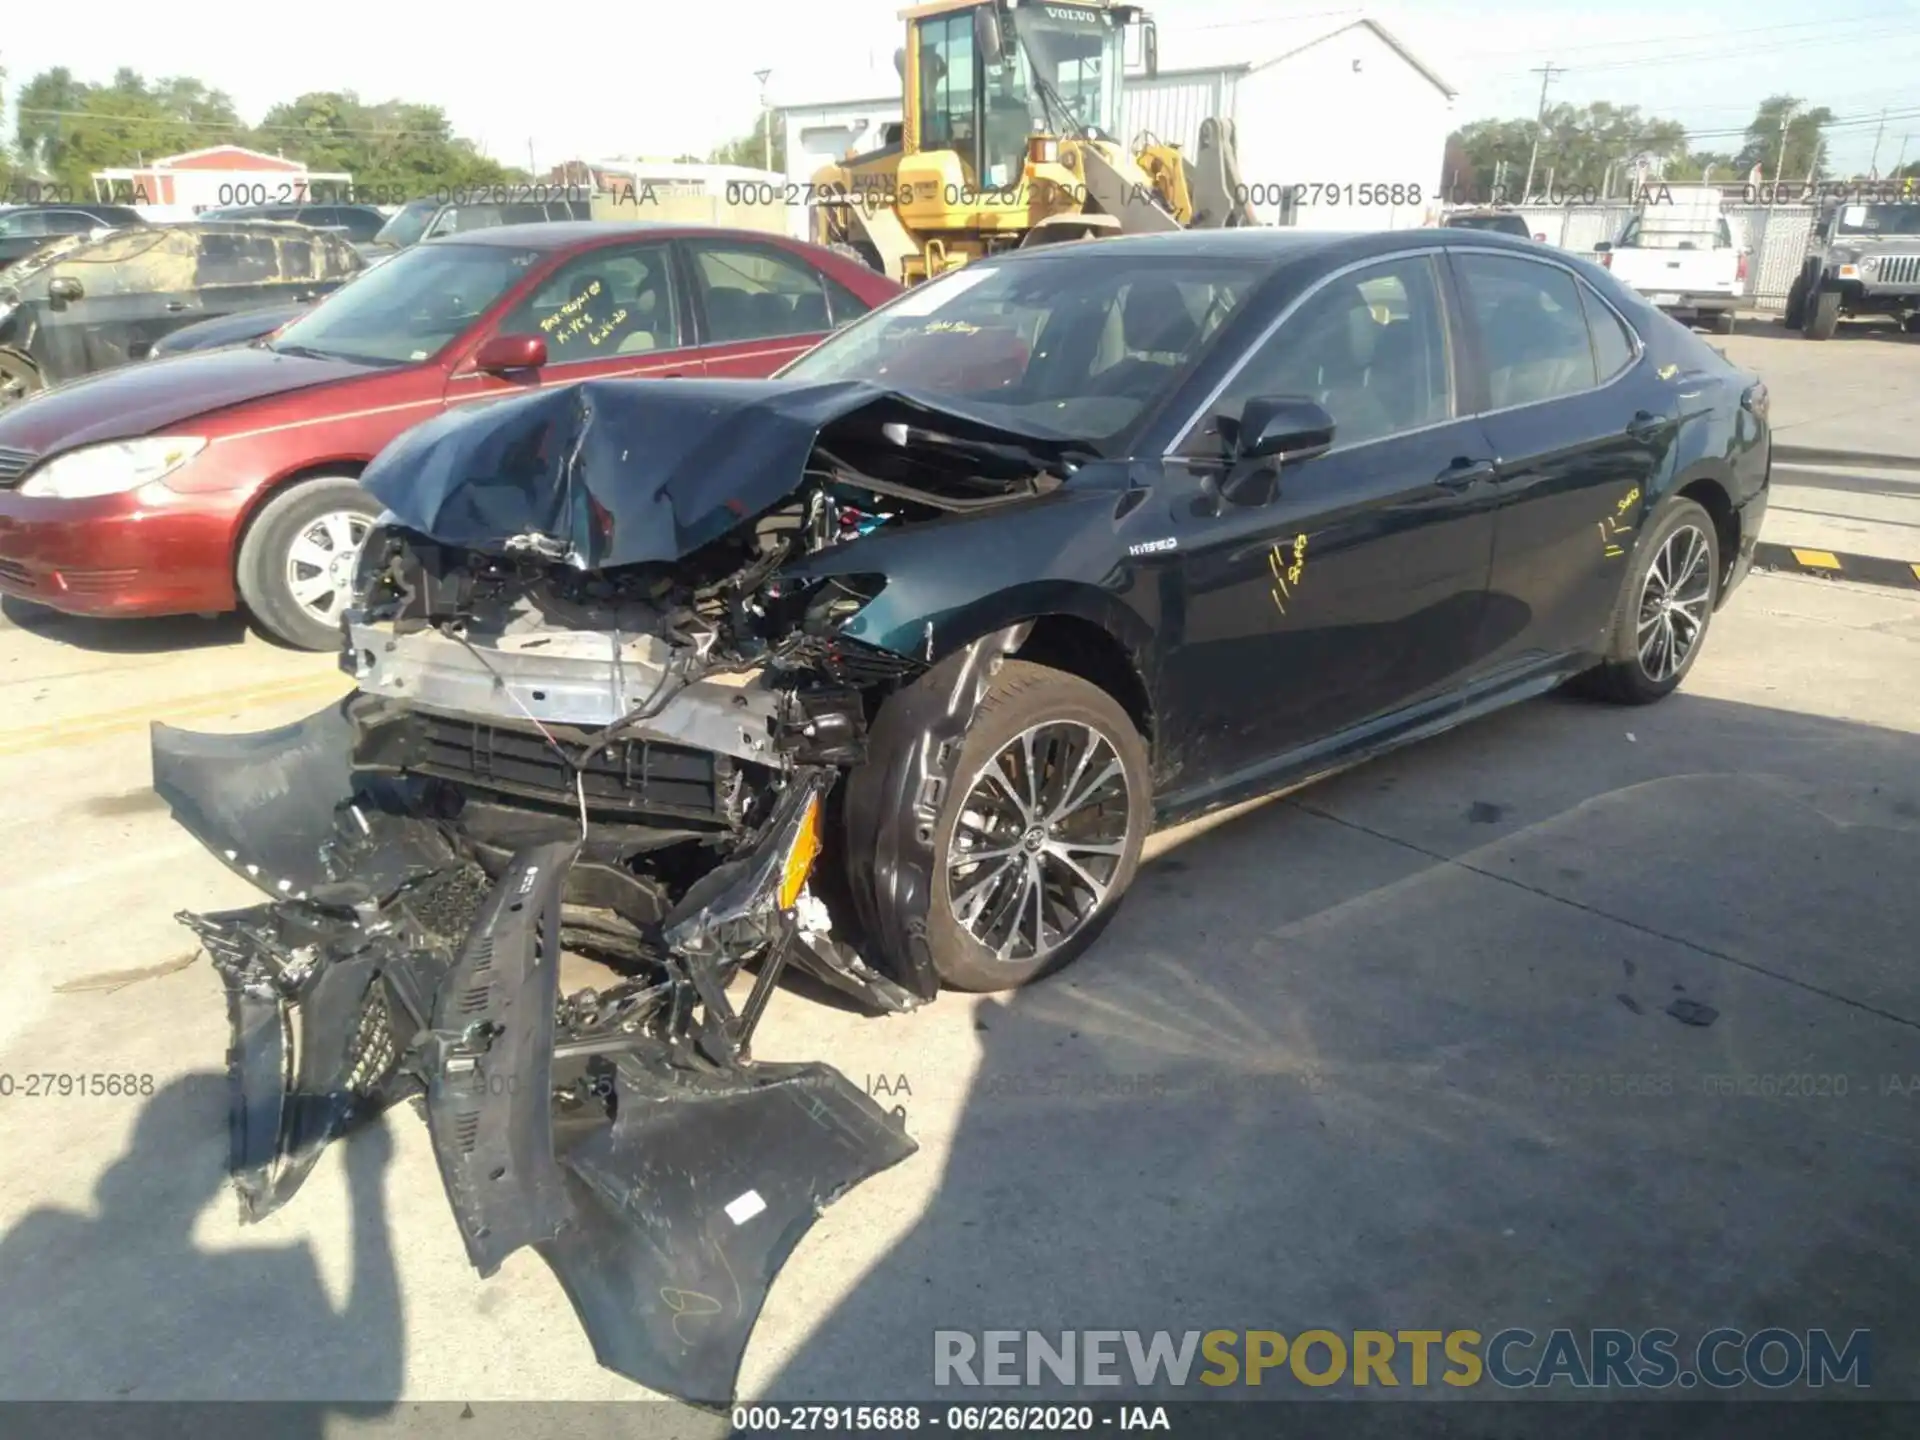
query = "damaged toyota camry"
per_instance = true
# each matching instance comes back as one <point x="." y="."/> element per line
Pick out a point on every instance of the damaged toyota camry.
<point x="883" y="669"/>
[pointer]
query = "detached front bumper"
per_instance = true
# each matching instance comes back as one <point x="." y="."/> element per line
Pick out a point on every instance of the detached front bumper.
<point x="624" y="1134"/>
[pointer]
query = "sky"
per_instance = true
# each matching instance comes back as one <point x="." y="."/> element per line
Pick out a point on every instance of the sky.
<point x="616" y="77"/>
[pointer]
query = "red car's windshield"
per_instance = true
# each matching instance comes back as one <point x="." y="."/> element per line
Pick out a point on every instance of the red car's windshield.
<point x="411" y="307"/>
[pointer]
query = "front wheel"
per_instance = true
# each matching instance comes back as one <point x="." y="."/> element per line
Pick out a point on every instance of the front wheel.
<point x="1823" y="314"/>
<point x="1665" y="606"/>
<point x="296" y="564"/>
<point x="1040" y="831"/>
<point x="19" y="377"/>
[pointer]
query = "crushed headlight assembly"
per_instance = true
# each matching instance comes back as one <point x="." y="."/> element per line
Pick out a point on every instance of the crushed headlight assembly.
<point x="111" y="469"/>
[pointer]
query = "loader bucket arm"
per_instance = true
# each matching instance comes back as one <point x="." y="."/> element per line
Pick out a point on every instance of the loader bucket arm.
<point x="1213" y="179"/>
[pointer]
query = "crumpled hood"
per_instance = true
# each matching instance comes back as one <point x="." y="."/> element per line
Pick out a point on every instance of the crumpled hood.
<point x="626" y="472"/>
<point x="151" y="397"/>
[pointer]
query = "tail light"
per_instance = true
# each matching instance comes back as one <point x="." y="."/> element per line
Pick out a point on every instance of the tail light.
<point x="1755" y="401"/>
<point x="1606" y="259"/>
<point x="1541" y="236"/>
<point x="1740" y="271"/>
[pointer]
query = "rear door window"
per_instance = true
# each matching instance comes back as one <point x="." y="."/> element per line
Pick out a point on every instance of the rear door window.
<point x="1533" y="332"/>
<point x="752" y="292"/>
<point x="1613" y="343"/>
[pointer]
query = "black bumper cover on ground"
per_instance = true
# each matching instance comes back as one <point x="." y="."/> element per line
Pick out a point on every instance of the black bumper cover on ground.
<point x="664" y="1189"/>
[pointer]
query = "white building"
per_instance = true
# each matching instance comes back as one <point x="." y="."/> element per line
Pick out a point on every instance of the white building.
<point x="178" y="187"/>
<point x="1342" y="113"/>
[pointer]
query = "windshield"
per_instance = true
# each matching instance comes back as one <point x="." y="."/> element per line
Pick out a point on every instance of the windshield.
<point x="410" y="308"/>
<point x="1081" y="350"/>
<point x="1880" y="220"/>
<point x="1067" y="57"/>
<point x="408" y="225"/>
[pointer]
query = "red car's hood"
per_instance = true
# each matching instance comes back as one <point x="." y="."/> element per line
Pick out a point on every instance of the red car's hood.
<point x="151" y="396"/>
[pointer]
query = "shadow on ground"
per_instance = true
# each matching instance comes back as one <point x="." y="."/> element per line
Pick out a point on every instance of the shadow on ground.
<point x="1577" y="1017"/>
<point x="125" y="637"/>
<point x="125" y="1301"/>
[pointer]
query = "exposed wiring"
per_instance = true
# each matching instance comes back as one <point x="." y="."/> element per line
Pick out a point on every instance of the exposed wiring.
<point x="579" y="770"/>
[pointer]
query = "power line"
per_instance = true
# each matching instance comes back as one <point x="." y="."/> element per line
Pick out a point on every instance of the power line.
<point x="1736" y="52"/>
<point x="1659" y="40"/>
<point x="230" y="125"/>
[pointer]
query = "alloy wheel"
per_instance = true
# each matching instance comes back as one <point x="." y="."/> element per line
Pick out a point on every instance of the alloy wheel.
<point x="321" y="562"/>
<point x="1038" y="840"/>
<point x="1674" y="600"/>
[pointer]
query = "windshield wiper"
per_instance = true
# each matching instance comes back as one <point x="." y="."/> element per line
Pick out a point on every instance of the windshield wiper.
<point x="1050" y="97"/>
<point x="305" y="352"/>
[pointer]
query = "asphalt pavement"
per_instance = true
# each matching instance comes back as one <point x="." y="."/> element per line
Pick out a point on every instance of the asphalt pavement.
<point x="1576" y="1016"/>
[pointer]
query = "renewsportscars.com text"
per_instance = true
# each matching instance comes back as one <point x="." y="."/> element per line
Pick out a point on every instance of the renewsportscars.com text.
<point x="1512" y="1358"/>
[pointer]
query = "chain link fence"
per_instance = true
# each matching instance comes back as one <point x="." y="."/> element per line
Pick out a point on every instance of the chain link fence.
<point x="1774" y="237"/>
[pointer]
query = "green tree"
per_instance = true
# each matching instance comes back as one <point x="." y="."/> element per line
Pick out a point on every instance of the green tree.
<point x="751" y="149"/>
<point x="66" y="129"/>
<point x="393" y="148"/>
<point x="1806" y="152"/>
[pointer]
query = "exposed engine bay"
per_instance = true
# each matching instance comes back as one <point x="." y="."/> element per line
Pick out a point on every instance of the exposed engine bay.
<point x="557" y="749"/>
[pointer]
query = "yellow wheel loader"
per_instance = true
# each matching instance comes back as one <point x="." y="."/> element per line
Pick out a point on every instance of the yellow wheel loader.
<point x="1011" y="113"/>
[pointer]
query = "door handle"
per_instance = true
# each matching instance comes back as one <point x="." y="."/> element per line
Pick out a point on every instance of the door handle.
<point x="1646" y="425"/>
<point x="1464" y="474"/>
<point x="176" y="306"/>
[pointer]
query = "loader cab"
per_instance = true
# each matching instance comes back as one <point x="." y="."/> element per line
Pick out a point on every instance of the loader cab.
<point x="983" y="79"/>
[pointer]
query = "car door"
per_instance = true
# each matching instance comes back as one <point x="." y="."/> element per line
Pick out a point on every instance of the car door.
<point x="21" y="233"/>
<point x="1356" y="589"/>
<point x="757" y="305"/>
<point x="135" y="287"/>
<point x="1580" y="427"/>
<point x="614" y="311"/>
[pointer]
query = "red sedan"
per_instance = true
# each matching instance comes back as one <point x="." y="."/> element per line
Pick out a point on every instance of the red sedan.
<point x="226" y="478"/>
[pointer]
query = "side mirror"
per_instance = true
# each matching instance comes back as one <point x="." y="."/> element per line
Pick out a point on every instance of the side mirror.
<point x="1272" y="430"/>
<point x="986" y="34"/>
<point x="63" y="290"/>
<point x="900" y="61"/>
<point x="506" y="353"/>
<point x="1282" y="427"/>
<point x="1603" y="247"/>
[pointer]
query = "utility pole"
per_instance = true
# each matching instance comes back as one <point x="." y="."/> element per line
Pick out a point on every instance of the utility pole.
<point x="1546" y="73"/>
<point x="1780" y="165"/>
<point x="766" y="122"/>
<point x="1873" y="165"/>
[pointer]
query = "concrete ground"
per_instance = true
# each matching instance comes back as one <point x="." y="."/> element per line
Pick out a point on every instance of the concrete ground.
<point x="1415" y="1045"/>
<point x="1833" y="402"/>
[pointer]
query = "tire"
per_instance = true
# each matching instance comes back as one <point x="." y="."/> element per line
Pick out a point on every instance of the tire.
<point x="310" y="519"/>
<point x="1626" y="676"/>
<point x="19" y="378"/>
<point x="1050" y="706"/>
<point x="1911" y="325"/>
<point x="1823" y="315"/>
<point x="1796" y="314"/>
<point x="1723" y="323"/>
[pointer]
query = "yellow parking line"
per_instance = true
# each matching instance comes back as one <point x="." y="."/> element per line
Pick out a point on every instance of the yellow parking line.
<point x="1818" y="559"/>
<point x="101" y="725"/>
<point x="1916" y="571"/>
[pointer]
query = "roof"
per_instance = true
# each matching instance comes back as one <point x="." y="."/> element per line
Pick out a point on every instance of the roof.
<point x="212" y="157"/>
<point x="1273" y="243"/>
<point x="554" y="235"/>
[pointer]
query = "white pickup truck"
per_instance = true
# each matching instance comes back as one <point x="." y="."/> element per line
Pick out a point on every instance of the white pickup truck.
<point x="1678" y="252"/>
